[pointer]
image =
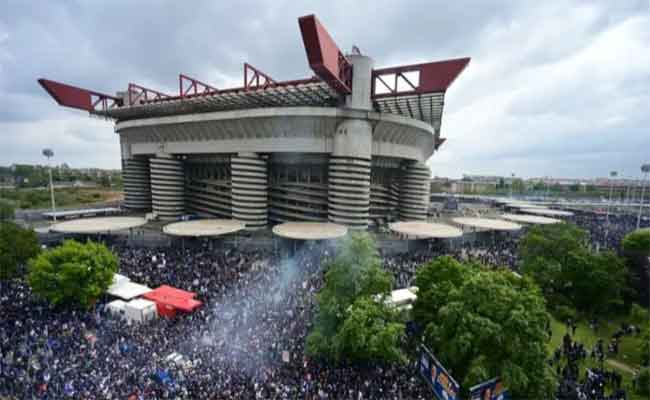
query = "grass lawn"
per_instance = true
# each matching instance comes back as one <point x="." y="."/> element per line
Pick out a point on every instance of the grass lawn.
<point x="629" y="348"/>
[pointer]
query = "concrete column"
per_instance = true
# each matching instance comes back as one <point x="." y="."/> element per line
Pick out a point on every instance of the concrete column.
<point x="167" y="186"/>
<point x="349" y="165"/>
<point x="349" y="175"/>
<point x="361" y="83"/>
<point x="137" y="185"/>
<point x="249" y="190"/>
<point x="414" y="191"/>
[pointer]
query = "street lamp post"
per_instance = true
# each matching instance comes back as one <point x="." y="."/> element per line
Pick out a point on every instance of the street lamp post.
<point x="48" y="153"/>
<point x="612" y="175"/>
<point x="645" y="168"/>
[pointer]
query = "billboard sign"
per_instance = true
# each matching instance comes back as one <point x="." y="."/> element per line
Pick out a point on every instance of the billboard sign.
<point x="489" y="390"/>
<point x="440" y="381"/>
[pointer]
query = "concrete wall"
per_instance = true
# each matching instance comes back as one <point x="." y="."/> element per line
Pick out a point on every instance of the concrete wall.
<point x="296" y="130"/>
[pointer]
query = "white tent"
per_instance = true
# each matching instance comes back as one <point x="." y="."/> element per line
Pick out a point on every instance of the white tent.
<point x="119" y="279"/>
<point x="402" y="297"/>
<point x="116" y="308"/>
<point x="140" y="310"/>
<point x="128" y="290"/>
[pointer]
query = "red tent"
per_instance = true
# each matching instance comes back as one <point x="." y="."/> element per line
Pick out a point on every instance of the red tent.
<point x="169" y="300"/>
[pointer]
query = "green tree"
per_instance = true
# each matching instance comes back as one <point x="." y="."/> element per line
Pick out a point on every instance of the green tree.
<point x="73" y="274"/>
<point x="370" y="331"/>
<point x="645" y="346"/>
<point x="7" y="211"/>
<point x="518" y="185"/>
<point x="636" y="250"/>
<point x="637" y="241"/>
<point x="351" y="322"/>
<point x="539" y="186"/>
<point x="483" y="323"/>
<point x="569" y="273"/>
<point x="17" y="246"/>
<point x="639" y="315"/>
<point x="643" y="383"/>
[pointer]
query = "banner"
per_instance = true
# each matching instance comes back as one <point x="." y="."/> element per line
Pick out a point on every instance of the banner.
<point x="489" y="390"/>
<point x="441" y="383"/>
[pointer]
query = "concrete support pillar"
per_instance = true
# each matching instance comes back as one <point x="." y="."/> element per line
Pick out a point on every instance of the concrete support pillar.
<point x="249" y="190"/>
<point x="348" y="194"/>
<point x="137" y="185"/>
<point x="167" y="186"/>
<point x="414" y="191"/>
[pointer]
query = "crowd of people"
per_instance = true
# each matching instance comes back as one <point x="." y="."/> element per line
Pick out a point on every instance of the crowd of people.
<point x="246" y="342"/>
<point x="594" y="384"/>
<point x="607" y="231"/>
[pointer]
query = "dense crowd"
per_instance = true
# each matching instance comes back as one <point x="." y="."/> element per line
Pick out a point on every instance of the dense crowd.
<point x="499" y="252"/>
<point x="246" y="342"/>
<point x="606" y="232"/>
<point x="596" y="383"/>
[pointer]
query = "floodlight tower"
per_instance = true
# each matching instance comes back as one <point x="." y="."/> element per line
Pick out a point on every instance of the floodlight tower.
<point x="48" y="153"/>
<point x="645" y="168"/>
<point x="612" y="175"/>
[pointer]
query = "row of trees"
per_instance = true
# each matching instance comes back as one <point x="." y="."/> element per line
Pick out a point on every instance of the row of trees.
<point x="31" y="176"/>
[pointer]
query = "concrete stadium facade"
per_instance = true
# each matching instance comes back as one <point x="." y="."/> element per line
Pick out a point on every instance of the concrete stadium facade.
<point x="348" y="145"/>
<point x="346" y="164"/>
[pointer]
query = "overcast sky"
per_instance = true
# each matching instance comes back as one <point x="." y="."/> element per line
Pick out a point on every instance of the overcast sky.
<point x="554" y="88"/>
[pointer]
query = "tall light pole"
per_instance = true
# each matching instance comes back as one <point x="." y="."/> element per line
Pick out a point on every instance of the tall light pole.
<point x="512" y="183"/>
<point x="612" y="175"/>
<point x="48" y="153"/>
<point x="645" y="168"/>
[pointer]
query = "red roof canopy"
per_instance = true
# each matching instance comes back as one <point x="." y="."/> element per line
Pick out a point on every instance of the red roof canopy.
<point x="173" y="297"/>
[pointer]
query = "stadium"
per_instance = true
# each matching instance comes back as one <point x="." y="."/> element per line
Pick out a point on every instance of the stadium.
<point x="348" y="145"/>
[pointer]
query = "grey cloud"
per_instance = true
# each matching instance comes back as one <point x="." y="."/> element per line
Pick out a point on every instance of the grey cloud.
<point x="104" y="45"/>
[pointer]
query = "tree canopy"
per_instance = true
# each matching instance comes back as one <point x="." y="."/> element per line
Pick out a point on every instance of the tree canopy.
<point x="7" y="211"/>
<point x="17" y="246"/>
<point x="73" y="274"/>
<point x="637" y="241"/>
<point x="485" y="323"/>
<point x="636" y="249"/>
<point x="569" y="273"/>
<point x="351" y="323"/>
